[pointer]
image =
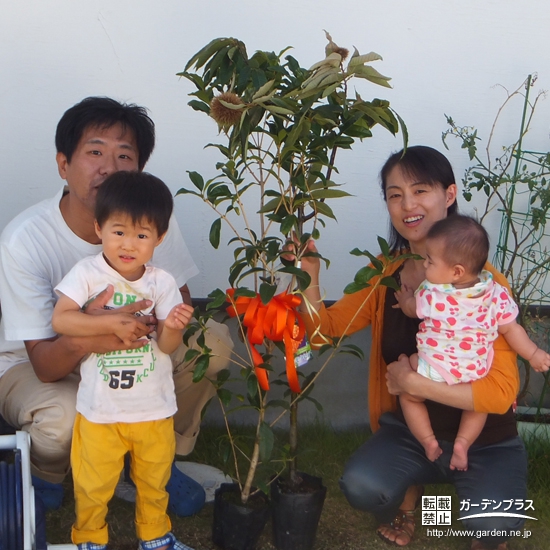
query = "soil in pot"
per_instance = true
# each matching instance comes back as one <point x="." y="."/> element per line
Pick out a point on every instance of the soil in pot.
<point x="237" y="526"/>
<point x="296" y="510"/>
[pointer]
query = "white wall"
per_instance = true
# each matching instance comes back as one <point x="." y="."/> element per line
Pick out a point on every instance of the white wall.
<point x="444" y="57"/>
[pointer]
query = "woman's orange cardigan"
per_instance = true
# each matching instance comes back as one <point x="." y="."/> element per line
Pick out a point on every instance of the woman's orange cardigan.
<point x="492" y="394"/>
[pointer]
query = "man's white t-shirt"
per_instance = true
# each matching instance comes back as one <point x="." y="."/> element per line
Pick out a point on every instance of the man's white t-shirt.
<point x="37" y="249"/>
<point x="134" y="385"/>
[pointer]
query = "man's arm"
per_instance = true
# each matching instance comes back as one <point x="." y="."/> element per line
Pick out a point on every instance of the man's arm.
<point x="54" y="358"/>
<point x="69" y="320"/>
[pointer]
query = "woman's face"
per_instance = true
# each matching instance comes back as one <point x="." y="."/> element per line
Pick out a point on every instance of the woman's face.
<point x="414" y="206"/>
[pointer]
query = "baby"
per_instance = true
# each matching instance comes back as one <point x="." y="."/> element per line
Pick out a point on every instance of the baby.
<point x="463" y="311"/>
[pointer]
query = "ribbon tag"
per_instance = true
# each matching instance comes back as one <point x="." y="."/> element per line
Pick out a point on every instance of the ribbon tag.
<point x="302" y="349"/>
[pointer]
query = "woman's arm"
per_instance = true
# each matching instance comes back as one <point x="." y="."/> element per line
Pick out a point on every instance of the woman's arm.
<point x="492" y="394"/>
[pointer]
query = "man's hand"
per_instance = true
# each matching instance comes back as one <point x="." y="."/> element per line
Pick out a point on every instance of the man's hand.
<point x="145" y="323"/>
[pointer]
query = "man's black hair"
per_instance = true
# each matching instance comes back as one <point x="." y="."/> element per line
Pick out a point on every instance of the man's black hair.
<point x="138" y="195"/>
<point x="104" y="112"/>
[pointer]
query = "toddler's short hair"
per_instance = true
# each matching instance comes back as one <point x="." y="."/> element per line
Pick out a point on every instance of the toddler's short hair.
<point x="137" y="194"/>
<point x="466" y="241"/>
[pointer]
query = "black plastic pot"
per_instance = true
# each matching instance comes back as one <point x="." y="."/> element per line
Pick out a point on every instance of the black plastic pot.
<point x="296" y="513"/>
<point x="237" y="526"/>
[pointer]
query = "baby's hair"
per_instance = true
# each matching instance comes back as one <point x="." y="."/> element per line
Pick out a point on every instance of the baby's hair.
<point x="137" y="194"/>
<point x="465" y="239"/>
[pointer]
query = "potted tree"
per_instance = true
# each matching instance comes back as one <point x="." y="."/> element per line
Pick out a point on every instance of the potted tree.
<point x="281" y="128"/>
<point x="516" y="183"/>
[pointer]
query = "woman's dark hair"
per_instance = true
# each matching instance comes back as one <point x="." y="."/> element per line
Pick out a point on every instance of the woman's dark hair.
<point x="138" y="195"/>
<point x="104" y="112"/>
<point x="423" y="164"/>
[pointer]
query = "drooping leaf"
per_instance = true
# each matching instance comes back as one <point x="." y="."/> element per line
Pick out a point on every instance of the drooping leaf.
<point x="267" y="440"/>
<point x="215" y="231"/>
<point x="201" y="367"/>
<point x="389" y="282"/>
<point x="267" y="292"/>
<point x="197" y="180"/>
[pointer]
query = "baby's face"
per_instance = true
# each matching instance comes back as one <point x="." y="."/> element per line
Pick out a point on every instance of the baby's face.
<point x="438" y="271"/>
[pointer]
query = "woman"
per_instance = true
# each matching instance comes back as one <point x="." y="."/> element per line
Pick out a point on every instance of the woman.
<point x="386" y="474"/>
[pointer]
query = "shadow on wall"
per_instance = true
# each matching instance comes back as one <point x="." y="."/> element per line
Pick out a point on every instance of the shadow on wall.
<point x="341" y="388"/>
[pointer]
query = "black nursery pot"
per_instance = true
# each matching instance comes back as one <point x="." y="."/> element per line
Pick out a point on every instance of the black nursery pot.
<point x="237" y="526"/>
<point x="296" y="515"/>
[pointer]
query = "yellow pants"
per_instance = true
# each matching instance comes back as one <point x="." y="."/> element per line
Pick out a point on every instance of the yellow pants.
<point x="97" y="458"/>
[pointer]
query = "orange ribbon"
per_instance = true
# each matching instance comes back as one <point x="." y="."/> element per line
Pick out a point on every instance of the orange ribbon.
<point x="276" y="321"/>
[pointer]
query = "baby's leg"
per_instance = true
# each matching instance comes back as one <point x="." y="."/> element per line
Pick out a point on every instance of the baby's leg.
<point x="418" y="421"/>
<point x="470" y="427"/>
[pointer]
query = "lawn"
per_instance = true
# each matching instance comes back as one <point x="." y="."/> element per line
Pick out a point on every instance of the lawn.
<point x="341" y="527"/>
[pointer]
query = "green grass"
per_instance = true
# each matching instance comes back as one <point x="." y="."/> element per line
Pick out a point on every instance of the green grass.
<point x="324" y="452"/>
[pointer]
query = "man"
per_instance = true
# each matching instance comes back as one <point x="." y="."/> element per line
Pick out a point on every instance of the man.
<point x="39" y="380"/>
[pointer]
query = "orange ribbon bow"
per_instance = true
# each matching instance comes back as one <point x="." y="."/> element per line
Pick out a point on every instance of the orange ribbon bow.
<point x="277" y="321"/>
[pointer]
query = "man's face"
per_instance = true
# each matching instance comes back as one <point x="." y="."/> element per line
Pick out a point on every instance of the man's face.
<point x="99" y="153"/>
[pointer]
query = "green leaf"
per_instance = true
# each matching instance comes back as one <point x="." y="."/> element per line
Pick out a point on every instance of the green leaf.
<point x="384" y="247"/>
<point x="246" y="292"/>
<point x="404" y="129"/>
<point x="329" y="194"/>
<point x="191" y="354"/>
<point x="389" y="282"/>
<point x="223" y="376"/>
<point x="365" y="274"/>
<point x="352" y="288"/>
<point x="199" y="106"/>
<point x="215" y="231"/>
<point x="354" y="350"/>
<point x="278" y="110"/>
<point x="324" y="348"/>
<point x="267" y="440"/>
<point x="267" y="292"/>
<point x="224" y="396"/>
<point x="278" y="402"/>
<point x="324" y="209"/>
<point x="303" y="278"/>
<point x="197" y="180"/>
<point x="200" y="368"/>
<point x="270" y="206"/>
<point x="288" y="223"/>
<point x="217" y="299"/>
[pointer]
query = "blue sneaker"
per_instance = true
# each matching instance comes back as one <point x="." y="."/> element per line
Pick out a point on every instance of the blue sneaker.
<point x="51" y="494"/>
<point x="186" y="495"/>
<point x="169" y="538"/>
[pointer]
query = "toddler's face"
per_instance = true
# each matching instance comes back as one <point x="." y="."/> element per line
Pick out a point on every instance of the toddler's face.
<point x="438" y="271"/>
<point x="127" y="247"/>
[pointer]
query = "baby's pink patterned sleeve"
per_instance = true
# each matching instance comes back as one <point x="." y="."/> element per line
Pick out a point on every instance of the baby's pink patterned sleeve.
<point x="507" y="309"/>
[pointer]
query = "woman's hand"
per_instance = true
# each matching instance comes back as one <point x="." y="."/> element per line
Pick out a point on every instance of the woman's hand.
<point x="310" y="264"/>
<point x="400" y="376"/>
